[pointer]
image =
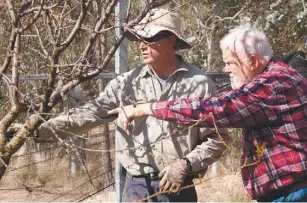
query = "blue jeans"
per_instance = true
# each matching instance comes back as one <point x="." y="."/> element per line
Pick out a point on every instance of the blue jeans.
<point x="296" y="196"/>
<point x="137" y="188"/>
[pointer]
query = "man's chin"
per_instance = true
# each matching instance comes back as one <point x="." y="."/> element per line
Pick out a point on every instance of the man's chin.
<point x="147" y="61"/>
<point x="236" y="83"/>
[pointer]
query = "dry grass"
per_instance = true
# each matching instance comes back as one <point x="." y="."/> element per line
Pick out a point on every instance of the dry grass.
<point x="103" y="197"/>
<point x="227" y="186"/>
<point x="222" y="188"/>
<point x="50" y="180"/>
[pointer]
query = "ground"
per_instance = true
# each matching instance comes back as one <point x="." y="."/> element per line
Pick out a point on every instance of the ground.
<point x="218" y="189"/>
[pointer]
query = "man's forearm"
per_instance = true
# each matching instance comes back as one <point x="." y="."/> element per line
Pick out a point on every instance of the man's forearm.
<point x="145" y="109"/>
<point x="207" y="152"/>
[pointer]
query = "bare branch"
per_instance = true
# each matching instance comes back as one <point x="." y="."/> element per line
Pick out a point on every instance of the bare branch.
<point x="14" y="23"/>
<point x="58" y="30"/>
<point x="33" y="20"/>
<point x="11" y="12"/>
<point x="98" y="26"/>
<point x="237" y="14"/>
<point x="56" y="96"/>
<point x="128" y="10"/>
<point x="50" y="29"/>
<point x="38" y="52"/>
<point x="35" y="9"/>
<point x="101" y="31"/>
<point x="41" y="44"/>
<point x="304" y="6"/>
<point x="84" y="7"/>
<point x="13" y="88"/>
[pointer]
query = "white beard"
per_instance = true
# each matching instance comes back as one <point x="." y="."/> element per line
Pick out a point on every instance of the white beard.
<point x="236" y="82"/>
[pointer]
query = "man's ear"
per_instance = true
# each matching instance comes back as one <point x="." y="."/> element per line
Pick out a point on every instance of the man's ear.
<point x="172" y="40"/>
<point x="255" y="63"/>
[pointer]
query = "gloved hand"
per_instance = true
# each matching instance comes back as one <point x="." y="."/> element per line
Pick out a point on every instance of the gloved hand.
<point x="174" y="175"/>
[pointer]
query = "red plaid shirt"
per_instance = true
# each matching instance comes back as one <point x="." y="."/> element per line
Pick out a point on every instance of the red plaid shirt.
<point x="272" y="112"/>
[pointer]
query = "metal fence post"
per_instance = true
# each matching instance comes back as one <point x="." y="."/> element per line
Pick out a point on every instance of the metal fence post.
<point x="120" y="67"/>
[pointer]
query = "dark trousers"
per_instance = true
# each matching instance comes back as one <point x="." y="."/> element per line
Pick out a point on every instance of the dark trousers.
<point x="296" y="196"/>
<point x="293" y="193"/>
<point x="139" y="187"/>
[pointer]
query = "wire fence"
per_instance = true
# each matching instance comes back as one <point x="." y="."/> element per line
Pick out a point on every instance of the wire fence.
<point x="60" y="173"/>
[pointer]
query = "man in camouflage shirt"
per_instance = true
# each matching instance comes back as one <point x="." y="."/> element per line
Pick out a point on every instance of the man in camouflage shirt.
<point x="152" y="148"/>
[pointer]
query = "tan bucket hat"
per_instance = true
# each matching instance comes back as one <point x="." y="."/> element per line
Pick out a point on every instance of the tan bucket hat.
<point x="156" y="21"/>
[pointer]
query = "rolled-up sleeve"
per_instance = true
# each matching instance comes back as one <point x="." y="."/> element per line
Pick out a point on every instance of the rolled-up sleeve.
<point x="209" y="150"/>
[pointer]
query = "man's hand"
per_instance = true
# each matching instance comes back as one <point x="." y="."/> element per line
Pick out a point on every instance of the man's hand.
<point x="127" y="113"/>
<point x="174" y="175"/>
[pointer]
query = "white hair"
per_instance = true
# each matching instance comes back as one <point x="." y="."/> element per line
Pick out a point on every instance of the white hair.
<point x="247" y="40"/>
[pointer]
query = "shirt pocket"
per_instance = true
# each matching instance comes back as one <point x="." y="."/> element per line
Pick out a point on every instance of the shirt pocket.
<point x="180" y="139"/>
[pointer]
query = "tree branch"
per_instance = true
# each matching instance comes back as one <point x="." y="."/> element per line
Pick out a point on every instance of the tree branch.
<point x="66" y="43"/>
<point x="34" y="19"/>
<point x="50" y="29"/>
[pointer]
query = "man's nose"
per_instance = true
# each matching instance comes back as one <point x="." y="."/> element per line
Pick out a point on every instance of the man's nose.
<point x="227" y="69"/>
<point x="142" y="46"/>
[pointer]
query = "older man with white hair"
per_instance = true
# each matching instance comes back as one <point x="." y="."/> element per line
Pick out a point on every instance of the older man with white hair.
<point x="268" y="102"/>
<point x="157" y="155"/>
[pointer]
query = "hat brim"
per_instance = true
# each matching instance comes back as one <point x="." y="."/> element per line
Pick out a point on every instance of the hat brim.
<point x="137" y="33"/>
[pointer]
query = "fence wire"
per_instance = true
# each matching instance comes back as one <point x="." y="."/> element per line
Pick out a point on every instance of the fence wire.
<point x="60" y="173"/>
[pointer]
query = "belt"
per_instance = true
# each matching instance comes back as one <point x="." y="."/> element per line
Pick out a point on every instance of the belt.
<point x="151" y="176"/>
<point x="155" y="176"/>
